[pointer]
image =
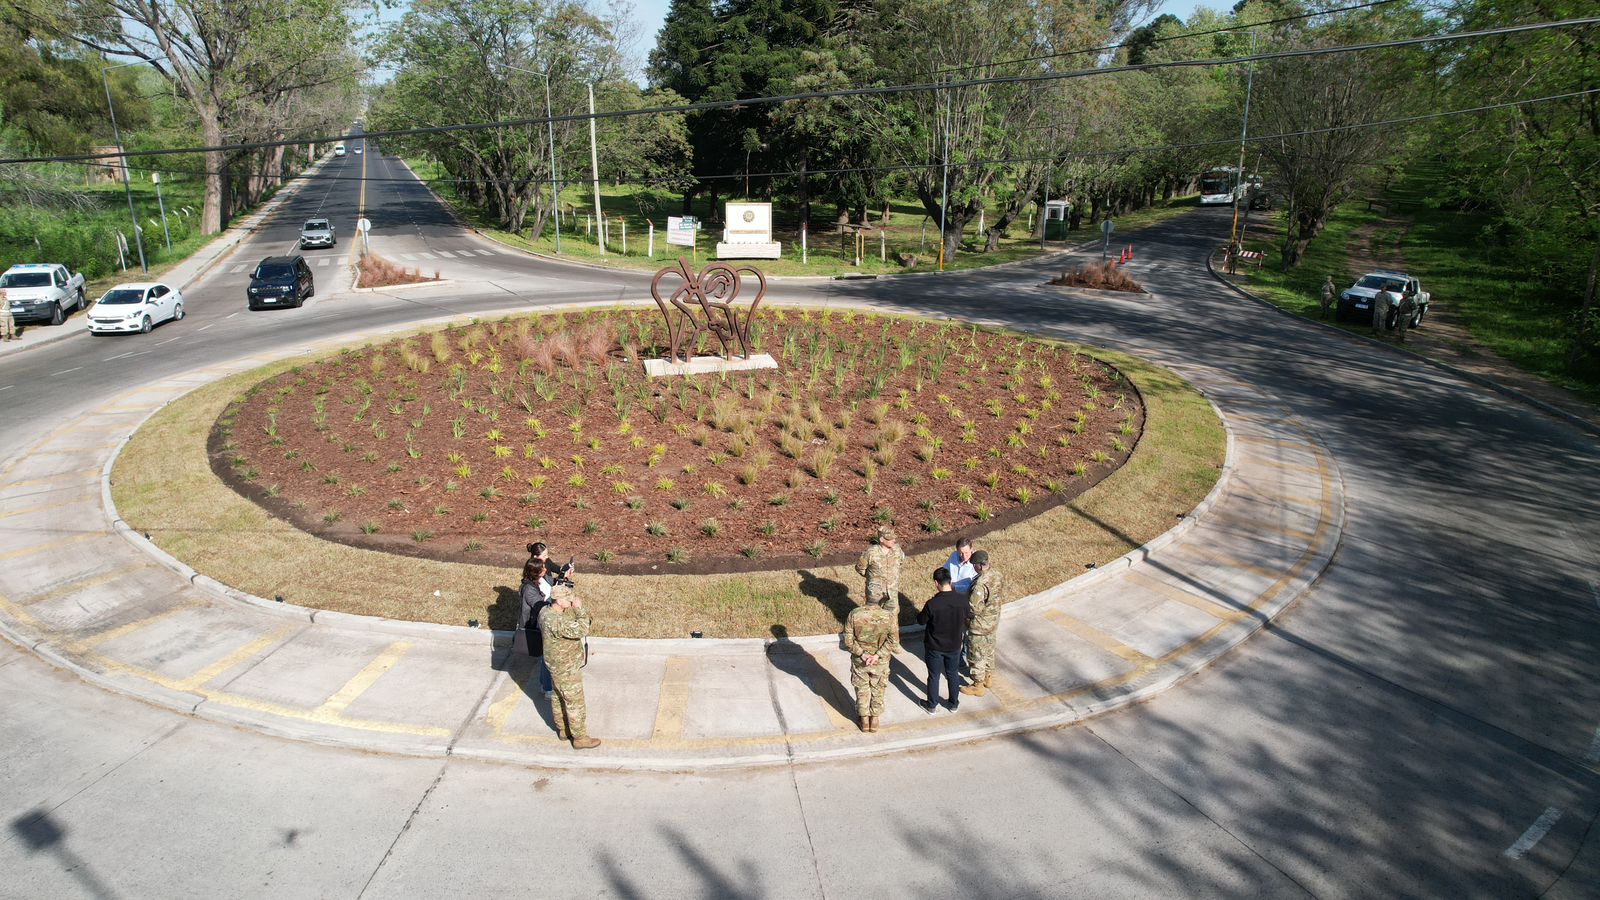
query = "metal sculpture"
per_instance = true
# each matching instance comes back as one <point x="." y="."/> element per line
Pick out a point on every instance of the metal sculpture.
<point x="712" y="292"/>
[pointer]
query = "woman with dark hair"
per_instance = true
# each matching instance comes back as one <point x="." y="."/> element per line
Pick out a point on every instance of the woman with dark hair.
<point x="535" y="596"/>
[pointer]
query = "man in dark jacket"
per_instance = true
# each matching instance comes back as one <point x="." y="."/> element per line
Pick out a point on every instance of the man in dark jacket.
<point x="944" y="618"/>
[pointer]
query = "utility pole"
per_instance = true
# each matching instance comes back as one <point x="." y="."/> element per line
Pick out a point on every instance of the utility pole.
<point x="1244" y="129"/>
<point x="944" y="190"/>
<point x="116" y="134"/>
<point x="594" y="168"/>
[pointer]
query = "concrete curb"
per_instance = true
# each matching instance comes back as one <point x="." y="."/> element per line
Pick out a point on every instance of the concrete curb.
<point x="626" y="646"/>
<point x="1473" y="377"/>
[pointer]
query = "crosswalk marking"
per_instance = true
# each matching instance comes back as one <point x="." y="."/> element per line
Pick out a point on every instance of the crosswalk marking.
<point x="427" y="256"/>
<point x="408" y="257"/>
<point x="324" y="260"/>
<point x="239" y="268"/>
<point x="446" y="254"/>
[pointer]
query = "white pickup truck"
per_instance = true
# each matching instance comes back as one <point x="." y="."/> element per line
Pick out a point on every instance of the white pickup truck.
<point x="42" y="292"/>
<point x="1355" y="302"/>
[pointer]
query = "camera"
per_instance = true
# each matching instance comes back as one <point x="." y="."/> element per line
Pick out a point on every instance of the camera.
<point x="563" y="574"/>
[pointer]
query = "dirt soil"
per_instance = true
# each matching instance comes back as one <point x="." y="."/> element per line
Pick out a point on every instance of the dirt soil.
<point x="470" y="442"/>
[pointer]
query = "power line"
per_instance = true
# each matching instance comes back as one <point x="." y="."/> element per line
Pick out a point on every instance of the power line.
<point x="1175" y="37"/>
<point x="979" y="163"/>
<point x="705" y="106"/>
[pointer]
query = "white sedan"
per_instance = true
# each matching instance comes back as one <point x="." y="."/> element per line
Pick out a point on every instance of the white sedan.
<point x="135" y="307"/>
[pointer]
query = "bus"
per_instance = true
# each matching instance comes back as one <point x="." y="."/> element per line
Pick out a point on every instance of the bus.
<point x="1220" y="186"/>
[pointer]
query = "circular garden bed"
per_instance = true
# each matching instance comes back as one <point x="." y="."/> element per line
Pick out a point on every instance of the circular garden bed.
<point x="469" y="442"/>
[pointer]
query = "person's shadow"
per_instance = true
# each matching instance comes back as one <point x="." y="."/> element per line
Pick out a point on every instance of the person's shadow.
<point x="509" y="650"/>
<point x="794" y="660"/>
<point x="832" y="594"/>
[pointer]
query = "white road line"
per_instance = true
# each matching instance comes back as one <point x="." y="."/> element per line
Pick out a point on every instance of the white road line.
<point x="1593" y="756"/>
<point x="118" y="356"/>
<point x="488" y="253"/>
<point x="446" y="254"/>
<point x="1540" y="827"/>
<point x="427" y="256"/>
<point x="7" y="387"/>
<point x="239" y="268"/>
<point x="408" y="257"/>
<point x="65" y="371"/>
<point x="230" y="315"/>
<point x="168" y="341"/>
<point x="324" y="260"/>
<point x="204" y="327"/>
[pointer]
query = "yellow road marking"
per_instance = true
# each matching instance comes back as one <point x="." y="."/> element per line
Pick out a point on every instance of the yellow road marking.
<point x="18" y="613"/>
<point x="1172" y="592"/>
<point x="674" y="700"/>
<point x="832" y="695"/>
<point x="1095" y="636"/>
<point x="76" y="585"/>
<point x="50" y="545"/>
<point x="366" y="678"/>
<point x="1253" y="526"/>
<point x="1003" y="689"/>
<point x="95" y="640"/>
<point x="26" y="510"/>
<point x="1233" y="562"/>
<point x="233" y="659"/>
<point x="501" y="709"/>
<point x="46" y="479"/>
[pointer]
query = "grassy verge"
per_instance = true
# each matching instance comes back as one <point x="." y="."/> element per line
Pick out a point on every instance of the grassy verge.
<point x="908" y="231"/>
<point x="163" y="485"/>
<point x="1517" y="316"/>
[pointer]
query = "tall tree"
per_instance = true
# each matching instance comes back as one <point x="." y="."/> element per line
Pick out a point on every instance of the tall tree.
<point x="227" y="58"/>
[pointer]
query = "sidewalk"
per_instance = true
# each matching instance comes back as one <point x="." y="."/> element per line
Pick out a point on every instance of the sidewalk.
<point x="193" y="267"/>
<point x="80" y="589"/>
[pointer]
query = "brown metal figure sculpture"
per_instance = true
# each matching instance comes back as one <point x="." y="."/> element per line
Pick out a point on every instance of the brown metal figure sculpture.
<point x="712" y="292"/>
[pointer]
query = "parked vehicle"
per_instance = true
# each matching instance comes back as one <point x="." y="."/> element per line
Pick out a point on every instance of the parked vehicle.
<point x="338" y="149"/>
<point x="42" y="292"/>
<point x="317" y="233"/>
<point x="1355" y="302"/>
<point x="280" y="281"/>
<point x="139" y="306"/>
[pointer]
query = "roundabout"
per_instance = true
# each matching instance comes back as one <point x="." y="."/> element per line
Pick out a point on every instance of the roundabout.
<point x="1420" y="721"/>
<point x="1087" y="642"/>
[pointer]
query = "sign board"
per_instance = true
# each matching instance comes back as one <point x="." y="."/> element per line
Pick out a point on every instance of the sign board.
<point x="681" y="229"/>
<point x="748" y="223"/>
<point x="364" y="225"/>
<point x="1106" y="228"/>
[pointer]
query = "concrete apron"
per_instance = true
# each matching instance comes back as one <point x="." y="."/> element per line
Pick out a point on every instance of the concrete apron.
<point x="84" y="591"/>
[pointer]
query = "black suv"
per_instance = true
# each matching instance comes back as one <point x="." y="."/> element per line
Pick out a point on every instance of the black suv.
<point x="280" y="281"/>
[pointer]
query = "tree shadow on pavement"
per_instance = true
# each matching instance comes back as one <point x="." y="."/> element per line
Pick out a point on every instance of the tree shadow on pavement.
<point x="795" y="661"/>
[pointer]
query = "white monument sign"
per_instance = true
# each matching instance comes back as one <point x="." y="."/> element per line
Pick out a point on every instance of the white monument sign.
<point x="749" y="233"/>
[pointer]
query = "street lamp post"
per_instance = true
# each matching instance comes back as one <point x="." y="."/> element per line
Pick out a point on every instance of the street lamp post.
<point x="116" y="134"/>
<point x="555" y="186"/>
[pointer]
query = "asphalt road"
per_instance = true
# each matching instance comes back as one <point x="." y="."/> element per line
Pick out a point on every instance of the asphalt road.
<point x="1426" y="722"/>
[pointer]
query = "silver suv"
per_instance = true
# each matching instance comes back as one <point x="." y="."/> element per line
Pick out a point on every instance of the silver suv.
<point x="317" y="233"/>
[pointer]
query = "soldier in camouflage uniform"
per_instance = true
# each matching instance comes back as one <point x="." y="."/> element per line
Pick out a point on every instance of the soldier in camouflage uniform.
<point x="880" y="566"/>
<point x="1404" y="314"/>
<point x="868" y="635"/>
<point x="983" y="625"/>
<point x="565" y="626"/>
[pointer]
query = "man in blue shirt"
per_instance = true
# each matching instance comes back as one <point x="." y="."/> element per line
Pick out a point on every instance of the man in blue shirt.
<point x="960" y="566"/>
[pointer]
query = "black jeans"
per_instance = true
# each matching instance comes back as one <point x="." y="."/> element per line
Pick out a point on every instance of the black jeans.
<point x="946" y="664"/>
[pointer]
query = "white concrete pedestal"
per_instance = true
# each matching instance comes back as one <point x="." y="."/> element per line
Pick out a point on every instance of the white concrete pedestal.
<point x="773" y="250"/>
<point x="701" y="365"/>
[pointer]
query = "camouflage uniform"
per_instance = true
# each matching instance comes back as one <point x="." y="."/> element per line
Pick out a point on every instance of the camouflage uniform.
<point x="983" y="625"/>
<point x="1327" y="296"/>
<point x="881" y="567"/>
<point x="8" y="325"/>
<point x="1402" y="320"/>
<point x="869" y="632"/>
<point x="564" y="632"/>
<point x="1382" y="302"/>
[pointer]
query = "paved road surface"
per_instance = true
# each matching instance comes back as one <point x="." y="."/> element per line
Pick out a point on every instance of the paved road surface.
<point x="1425" y="723"/>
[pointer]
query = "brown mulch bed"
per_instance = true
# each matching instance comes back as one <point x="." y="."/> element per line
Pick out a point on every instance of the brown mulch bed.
<point x="375" y="271"/>
<point x="467" y="443"/>
<point x="1104" y="276"/>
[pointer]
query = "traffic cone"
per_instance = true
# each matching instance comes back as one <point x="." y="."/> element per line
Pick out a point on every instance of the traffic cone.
<point x="1130" y="253"/>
